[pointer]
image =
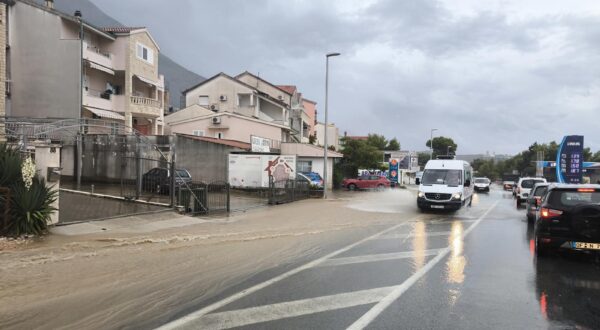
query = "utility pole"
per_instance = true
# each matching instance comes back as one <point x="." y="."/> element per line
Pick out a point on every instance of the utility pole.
<point x="325" y="124"/>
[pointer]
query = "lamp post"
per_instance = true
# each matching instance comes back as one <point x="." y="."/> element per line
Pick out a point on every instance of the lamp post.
<point x="431" y="143"/>
<point x="326" y="126"/>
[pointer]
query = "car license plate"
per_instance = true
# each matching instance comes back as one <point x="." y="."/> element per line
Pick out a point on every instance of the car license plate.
<point x="437" y="206"/>
<point x="583" y="245"/>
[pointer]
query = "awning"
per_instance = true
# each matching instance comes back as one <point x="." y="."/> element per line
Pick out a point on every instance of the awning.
<point x="158" y="84"/>
<point x="106" y="113"/>
<point x="101" y="68"/>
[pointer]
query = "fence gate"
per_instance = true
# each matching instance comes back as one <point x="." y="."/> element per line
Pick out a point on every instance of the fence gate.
<point x="285" y="191"/>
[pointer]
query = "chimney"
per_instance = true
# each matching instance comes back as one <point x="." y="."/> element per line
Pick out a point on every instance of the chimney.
<point x="78" y="14"/>
<point x="50" y="4"/>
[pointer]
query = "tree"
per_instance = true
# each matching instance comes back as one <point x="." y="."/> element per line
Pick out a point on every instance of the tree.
<point x="312" y="139"/>
<point x="442" y="146"/>
<point x="393" y="145"/>
<point x="423" y="157"/>
<point x="377" y="141"/>
<point x="358" y="154"/>
<point x="596" y="157"/>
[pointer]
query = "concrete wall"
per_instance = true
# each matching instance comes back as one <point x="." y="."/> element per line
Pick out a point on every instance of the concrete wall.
<point x="45" y="65"/>
<point x="233" y="128"/>
<point x="109" y="158"/>
<point x="333" y="135"/>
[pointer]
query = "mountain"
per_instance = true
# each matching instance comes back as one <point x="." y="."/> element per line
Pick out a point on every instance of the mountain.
<point x="177" y="78"/>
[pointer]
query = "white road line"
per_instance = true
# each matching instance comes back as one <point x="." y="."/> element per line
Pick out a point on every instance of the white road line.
<point x="372" y="314"/>
<point x="425" y="234"/>
<point x="265" y="313"/>
<point x="198" y="314"/>
<point x="377" y="257"/>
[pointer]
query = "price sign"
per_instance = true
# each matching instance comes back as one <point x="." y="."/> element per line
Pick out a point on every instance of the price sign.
<point x="570" y="159"/>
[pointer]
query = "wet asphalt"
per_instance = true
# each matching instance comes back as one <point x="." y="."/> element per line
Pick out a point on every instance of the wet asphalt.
<point x="473" y="269"/>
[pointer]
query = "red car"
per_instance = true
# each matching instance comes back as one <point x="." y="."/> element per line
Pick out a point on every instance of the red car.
<point x="366" y="182"/>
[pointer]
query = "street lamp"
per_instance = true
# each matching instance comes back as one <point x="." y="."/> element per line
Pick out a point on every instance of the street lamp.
<point x="431" y="143"/>
<point x="325" y="129"/>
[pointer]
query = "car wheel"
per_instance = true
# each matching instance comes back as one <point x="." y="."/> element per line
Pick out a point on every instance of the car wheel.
<point x="380" y="187"/>
<point x="518" y="203"/>
<point x="529" y="218"/>
<point x="352" y="187"/>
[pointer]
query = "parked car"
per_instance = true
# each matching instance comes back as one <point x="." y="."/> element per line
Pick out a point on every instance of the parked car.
<point x="537" y="192"/>
<point x="523" y="188"/>
<point x="315" y="178"/>
<point x="481" y="184"/>
<point x="568" y="218"/>
<point x="366" y="182"/>
<point x="159" y="179"/>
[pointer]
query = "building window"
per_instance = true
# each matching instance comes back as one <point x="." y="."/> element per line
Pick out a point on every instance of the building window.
<point x="144" y="53"/>
<point x="203" y="100"/>
<point x="198" y="133"/>
<point x="245" y="100"/>
<point x="219" y="135"/>
<point x="304" y="166"/>
<point x="114" y="128"/>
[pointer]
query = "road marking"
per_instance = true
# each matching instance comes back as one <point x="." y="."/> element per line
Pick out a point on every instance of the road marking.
<point x="425" y="234"/>
<point x="377" y="257"/>
<point x="201" y="312"/>
<point x="265" y="313"/>
<point x="372" y="314"/>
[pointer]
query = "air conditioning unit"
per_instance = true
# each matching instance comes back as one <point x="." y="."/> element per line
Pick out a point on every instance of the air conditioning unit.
<point x="223" y="98"/>
<point x="214" y="107"/>
<point x="216" y="120"/>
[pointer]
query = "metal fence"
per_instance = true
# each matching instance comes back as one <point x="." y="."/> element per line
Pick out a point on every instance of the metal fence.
<point x="203" y="198"/>
<point x="285" y="191"/>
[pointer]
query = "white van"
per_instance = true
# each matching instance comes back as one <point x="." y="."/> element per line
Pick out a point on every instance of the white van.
<point x="446" y="184"/>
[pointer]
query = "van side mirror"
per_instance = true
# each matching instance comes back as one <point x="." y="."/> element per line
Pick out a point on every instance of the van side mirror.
<point x="417" y="181"/>
<point x="467" y="183"/>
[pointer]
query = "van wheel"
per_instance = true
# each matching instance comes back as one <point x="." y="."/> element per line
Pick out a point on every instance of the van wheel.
<point x="470" y="201"/>
<point x="518" y="203"/>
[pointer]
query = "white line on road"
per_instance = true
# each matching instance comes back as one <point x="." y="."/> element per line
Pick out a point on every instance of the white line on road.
<point x="372" y="314"/>
<point x="377" y="257"/>
<point x="425" y="234"/>
<point x="265" y="313"/>
<point x="200" y="313"/>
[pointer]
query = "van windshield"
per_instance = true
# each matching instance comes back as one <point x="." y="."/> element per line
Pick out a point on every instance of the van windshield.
<point x="447" y="177"/>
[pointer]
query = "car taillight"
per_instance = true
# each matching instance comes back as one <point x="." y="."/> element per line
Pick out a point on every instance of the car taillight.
<point x="547" y="213"/>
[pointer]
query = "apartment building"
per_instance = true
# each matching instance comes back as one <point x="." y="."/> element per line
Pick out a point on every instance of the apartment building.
<point x="227" y="108"/>
<point x="333" y="135"/>
<point x="84" y="71"/>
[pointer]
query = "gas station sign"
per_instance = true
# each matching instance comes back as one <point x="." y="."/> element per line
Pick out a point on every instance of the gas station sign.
<point x="569" y="160"/>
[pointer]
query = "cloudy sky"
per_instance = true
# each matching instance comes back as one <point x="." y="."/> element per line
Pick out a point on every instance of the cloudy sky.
<point x="493" y="75"/>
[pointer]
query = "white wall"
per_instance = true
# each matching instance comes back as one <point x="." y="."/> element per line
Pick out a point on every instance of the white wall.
<point x="317" y="166"/>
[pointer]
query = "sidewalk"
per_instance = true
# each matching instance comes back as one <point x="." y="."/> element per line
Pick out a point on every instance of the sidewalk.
<point x="135" y="224"/>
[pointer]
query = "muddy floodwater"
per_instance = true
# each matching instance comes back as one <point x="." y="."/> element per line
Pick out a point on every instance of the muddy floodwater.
<point x="130" y="277"/>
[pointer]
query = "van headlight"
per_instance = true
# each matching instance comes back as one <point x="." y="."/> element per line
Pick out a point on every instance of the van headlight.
<point x="421" y="194"/>
<point x="457" y="196"/>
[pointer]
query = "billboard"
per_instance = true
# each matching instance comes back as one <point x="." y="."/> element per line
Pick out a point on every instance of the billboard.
<point x="260" y="144"/>
<point x="569" y="160"/>
<point x="253" y="171"/>
<point x="393" y="170"/>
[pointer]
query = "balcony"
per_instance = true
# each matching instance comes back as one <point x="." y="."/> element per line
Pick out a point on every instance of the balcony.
<point x="102" y="100"/>
<point x="145" y="106"/>
<point x="98" y="56"/>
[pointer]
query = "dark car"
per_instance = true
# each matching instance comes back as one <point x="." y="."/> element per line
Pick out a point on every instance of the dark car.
<point x="158" y="179"/>
<point x="568" y="218"/>
<point x="532" y="202"/>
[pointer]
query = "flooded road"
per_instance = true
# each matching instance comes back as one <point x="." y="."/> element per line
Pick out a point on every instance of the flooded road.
<point x="361" y="260"/>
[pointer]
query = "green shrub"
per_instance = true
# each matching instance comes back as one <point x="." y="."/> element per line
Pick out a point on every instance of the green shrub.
<point x="10" y="166"/>
<point x="31" y="208"/>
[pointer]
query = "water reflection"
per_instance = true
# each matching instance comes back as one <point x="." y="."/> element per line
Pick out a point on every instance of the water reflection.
<point x="455" y="267"/>
<point x="568" y="290"/>
<point x="419" y="244"/>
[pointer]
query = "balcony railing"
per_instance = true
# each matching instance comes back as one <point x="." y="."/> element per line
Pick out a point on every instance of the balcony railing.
<point x="144" y="101"/>
<point x="98" y="51"/>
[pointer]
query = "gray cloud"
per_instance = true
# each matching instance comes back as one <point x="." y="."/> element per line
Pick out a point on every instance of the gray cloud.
<point x="492" y="80"/>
